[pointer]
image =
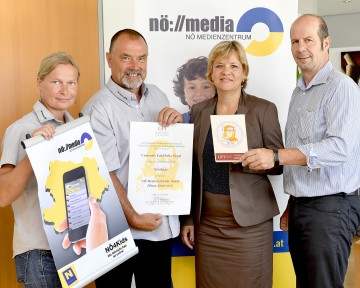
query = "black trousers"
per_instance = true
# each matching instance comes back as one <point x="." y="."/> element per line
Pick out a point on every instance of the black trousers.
<point x="151" y="267"/>
<point x="321" y="230"/>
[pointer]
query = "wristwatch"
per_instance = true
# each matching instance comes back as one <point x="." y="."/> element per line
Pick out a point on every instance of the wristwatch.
<point x="276" y="158"/>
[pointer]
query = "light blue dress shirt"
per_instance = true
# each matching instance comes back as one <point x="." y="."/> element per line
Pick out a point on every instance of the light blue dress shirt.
<point x="324" y="124"/>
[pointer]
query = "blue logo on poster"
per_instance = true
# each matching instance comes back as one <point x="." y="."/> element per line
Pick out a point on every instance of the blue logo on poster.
<point x="272" y="21"/>
<point x="86" y="136"/>
<point x="69" y="276"/>
<point x="280" y="241"/>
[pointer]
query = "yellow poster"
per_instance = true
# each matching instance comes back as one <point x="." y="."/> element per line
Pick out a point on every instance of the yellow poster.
<point x="82" y="216"/>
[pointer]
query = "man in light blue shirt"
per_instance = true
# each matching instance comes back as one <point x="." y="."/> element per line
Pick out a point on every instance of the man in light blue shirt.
<point x="126" y="98"/>
<point x="322" y="171"/>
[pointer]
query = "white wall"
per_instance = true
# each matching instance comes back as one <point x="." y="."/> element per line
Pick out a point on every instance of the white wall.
<point x="344" y="30"/>
<point x="305" y="7"/>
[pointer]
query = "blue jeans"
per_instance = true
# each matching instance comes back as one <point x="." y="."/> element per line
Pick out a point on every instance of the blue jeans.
<point x="36" y="269"/>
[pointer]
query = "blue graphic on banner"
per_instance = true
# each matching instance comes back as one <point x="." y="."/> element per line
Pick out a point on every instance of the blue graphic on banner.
<point x="179" y="248"/>
<point x="69" y="276"/>
<point x="260" y="15"/>
<point x="86" y="136"/>
<point x="209" y="28"/>
<point x="280" y="244"/>
<point x="280" y="240"/>
<point x="272" y="21"/>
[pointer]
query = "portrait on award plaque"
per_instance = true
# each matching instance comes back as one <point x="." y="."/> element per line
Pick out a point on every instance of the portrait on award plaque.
<point x="229" y="137"/>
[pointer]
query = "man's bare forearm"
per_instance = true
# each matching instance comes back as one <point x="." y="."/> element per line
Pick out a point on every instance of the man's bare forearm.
<point x="292" y="156"/>
<point x="146" y="221"/>
<point x="128" y="209"/>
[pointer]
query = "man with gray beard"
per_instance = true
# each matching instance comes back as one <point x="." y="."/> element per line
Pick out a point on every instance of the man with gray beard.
<point x="126" y="98"/>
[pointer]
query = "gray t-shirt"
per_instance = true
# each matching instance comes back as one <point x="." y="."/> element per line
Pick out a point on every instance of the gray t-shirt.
<point x="29" y="233"/>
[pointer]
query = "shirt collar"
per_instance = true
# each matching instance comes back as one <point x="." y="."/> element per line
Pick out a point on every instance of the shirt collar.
<point x="320" y="77"/>
<point x="124" y="95"/>
<point x="44" y="115"/>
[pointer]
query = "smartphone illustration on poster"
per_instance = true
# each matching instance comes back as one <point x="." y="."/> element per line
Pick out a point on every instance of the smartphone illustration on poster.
<point x="76" y="203"/>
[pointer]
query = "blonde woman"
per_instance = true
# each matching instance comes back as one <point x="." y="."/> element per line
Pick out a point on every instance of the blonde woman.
<point x="57" y="81"/>
<point x="231" y="221"/>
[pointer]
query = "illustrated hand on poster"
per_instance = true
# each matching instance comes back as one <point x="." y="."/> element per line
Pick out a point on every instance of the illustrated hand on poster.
<point x="97" y="232"/>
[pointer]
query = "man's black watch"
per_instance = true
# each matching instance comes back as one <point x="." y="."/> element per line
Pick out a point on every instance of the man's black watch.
<point x="276" y="158"/>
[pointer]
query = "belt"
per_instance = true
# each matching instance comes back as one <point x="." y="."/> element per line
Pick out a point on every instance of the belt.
<point x="342" y="194"/>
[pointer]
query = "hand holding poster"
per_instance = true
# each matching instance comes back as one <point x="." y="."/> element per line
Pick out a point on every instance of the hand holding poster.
<point x="160" y="168"/>
<point x="82" y="216"/>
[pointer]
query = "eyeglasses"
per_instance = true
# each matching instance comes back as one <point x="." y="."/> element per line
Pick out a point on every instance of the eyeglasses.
<point x="59" y="84"/>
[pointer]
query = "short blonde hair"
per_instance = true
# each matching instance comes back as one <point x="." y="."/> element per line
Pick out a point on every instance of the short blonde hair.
<point x="50" y="62"/>
<point x="224" y="49"/>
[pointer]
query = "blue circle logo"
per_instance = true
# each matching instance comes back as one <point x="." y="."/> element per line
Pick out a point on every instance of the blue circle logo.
<point x="272" y="21"/>
<point x="86" y="137"/>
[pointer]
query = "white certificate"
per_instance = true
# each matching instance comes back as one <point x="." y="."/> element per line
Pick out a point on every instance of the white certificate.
<point x="160" y="168"/>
